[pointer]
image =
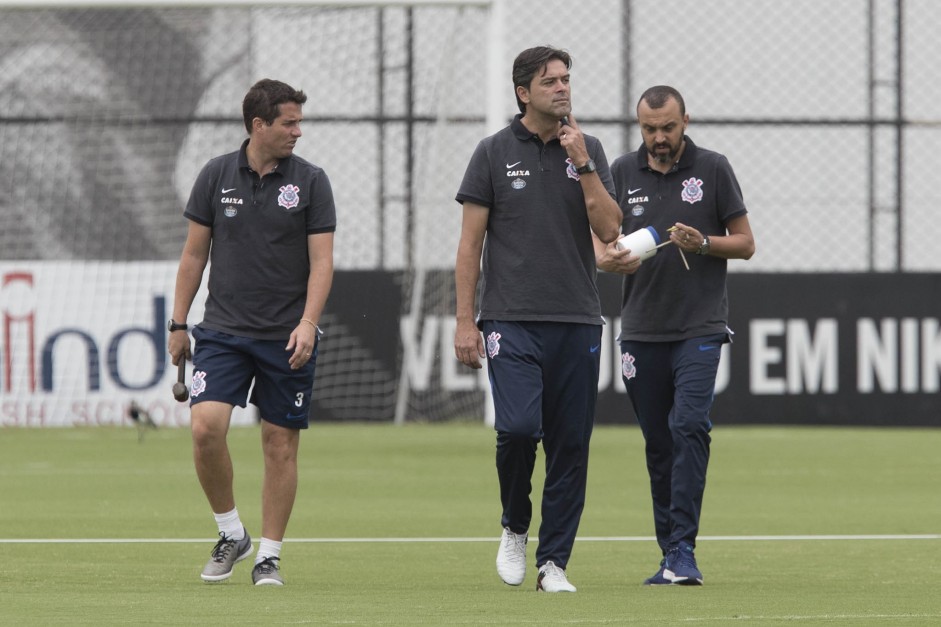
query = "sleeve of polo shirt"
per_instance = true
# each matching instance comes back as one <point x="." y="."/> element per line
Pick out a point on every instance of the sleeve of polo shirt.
<point x="199" y="207"/>
<point x="477" y="186"/>
<point x="730" y="203"/>
<point x="322" y="216"/>
<point x="619" y="175"/>
<point x="604" y="171"/>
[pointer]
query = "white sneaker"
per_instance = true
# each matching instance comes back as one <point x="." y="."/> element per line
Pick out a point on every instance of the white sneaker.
<point x="552" y="579"/>
<point x="511" y="558"/>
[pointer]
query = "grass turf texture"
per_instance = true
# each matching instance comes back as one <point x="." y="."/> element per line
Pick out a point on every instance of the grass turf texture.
<point x="438" y="481"/>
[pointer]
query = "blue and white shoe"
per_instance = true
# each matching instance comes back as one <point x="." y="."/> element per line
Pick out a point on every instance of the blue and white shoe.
<point x="659" y="579"/>
<point x="680" y="566"/>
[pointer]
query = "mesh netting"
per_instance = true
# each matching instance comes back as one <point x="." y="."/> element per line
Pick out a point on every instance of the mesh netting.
<point x="827" y="111"/>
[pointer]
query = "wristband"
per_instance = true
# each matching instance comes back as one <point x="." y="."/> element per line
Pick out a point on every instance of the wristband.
<point x="311" y="323"/>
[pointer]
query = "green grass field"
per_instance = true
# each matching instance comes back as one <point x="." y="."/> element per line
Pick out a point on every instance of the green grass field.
<point x="400" y="526"/>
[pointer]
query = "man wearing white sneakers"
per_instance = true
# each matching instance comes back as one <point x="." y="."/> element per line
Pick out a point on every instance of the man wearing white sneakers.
<point x="532" y="195"/>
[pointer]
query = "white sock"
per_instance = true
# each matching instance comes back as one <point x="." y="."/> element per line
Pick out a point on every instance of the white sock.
<point x="267" y="548"/>
<point x="230" y="524"/>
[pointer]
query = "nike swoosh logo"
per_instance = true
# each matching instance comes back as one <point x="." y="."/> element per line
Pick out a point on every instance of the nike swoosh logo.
<point x="231" y="189"/>
<point x="508" y="166"/>
<point x="595" y="348"/>
<point x="706" y="347"/>
<point x="294" y="417"/>
<point x="634" y="191"/>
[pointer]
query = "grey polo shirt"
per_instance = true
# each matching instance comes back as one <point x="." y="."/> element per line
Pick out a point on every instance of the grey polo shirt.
<point x="538" y="263"/>
<point x="259" y="262"/>
<point x="663" y="301"/>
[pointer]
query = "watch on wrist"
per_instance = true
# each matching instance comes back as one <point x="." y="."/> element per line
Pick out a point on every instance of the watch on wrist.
<point x="704" y="247"/>
<point x="587" y="168"/>
<point x="176" y="326"/>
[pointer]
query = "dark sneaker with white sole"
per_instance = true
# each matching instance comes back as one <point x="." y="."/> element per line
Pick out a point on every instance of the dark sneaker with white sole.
<point x="224" y="557"/>
<point x="658" y="579"/>
<point x="267" y="573"/>
<point x="680" y="566"/>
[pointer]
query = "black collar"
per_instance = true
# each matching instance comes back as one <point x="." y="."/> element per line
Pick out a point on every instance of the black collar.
<point x="686" y="159"/>
<point x="243" y="160"/>
<point x="520" y="131"/>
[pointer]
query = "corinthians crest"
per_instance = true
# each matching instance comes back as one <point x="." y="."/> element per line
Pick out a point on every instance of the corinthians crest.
<point x="493" y="344"/>
<point x="692" y="190"/>
<point x="628" y="369"/>
<point x="288" y="197"/>
<point x="571" y="171"/>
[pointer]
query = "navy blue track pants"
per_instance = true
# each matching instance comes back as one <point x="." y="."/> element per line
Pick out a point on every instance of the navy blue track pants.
<point x="671" y="386"/>
<point x="544" y="377"/>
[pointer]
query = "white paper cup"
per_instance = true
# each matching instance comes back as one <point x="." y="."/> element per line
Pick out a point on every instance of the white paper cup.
<point x="642" y="242"/>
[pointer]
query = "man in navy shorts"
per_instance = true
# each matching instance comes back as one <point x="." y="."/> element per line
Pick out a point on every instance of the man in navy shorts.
<point x="265" y="218"/>
<point x="674" y="311"/>
<point x="532" y="195"/>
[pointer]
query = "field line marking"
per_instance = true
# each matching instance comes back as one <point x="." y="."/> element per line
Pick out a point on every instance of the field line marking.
<point x="787" y="538"/>
<point x="802" y="618"/>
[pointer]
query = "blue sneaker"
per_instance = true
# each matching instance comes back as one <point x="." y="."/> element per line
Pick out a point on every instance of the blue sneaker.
<point x="680" y="566"/>
<point x="659" y="579"/>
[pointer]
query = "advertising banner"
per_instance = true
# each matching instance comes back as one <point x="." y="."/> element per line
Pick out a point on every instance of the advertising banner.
<point x="81" y="342"/>
<point x="835" y="349"/>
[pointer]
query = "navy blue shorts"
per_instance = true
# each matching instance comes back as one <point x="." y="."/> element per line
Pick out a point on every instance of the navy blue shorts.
<point x="224" y="367"/>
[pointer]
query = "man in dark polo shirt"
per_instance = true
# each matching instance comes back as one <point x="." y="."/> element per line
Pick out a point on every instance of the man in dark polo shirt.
<point x="532" y="195"/>
<point x="265" y="218"/>
<point x="674" y="313"/>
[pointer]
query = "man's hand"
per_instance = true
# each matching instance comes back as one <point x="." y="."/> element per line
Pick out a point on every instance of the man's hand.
<point x="620" y="261"/>
<point x="468" y="344"/>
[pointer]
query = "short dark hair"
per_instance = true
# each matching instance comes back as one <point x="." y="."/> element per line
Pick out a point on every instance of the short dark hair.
<point x="531" y="61"/>
<point x="263" y="101"/>
<point x="658" y="95"/>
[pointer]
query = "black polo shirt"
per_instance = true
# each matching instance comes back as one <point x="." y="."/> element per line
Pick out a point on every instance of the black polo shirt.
<point x="259" y="262"/>
<point x="663" y="301"/>
<point x="538" y="261"/>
